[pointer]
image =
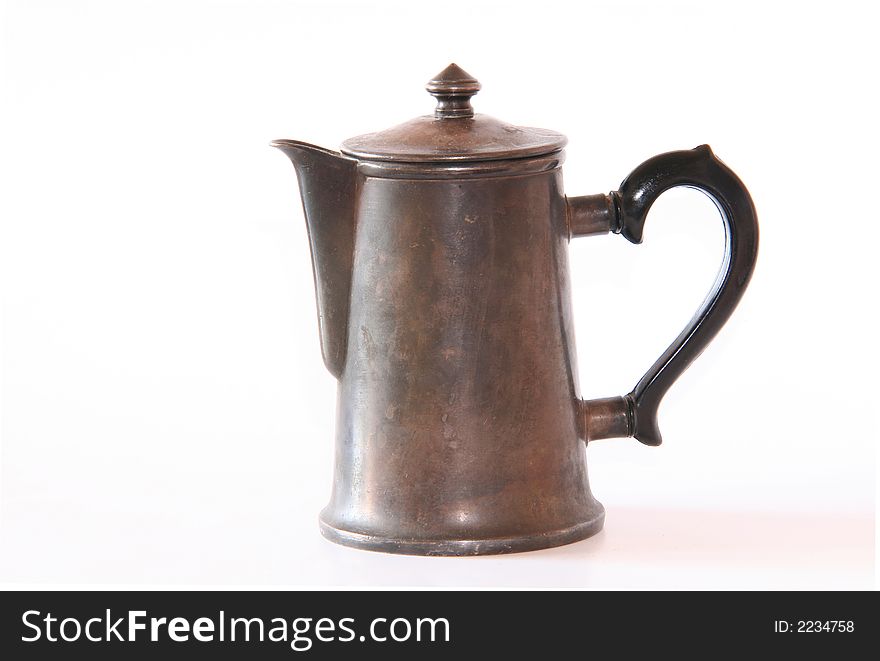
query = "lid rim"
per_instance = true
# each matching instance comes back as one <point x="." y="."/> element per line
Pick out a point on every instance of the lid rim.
<point x="429" y="159"/>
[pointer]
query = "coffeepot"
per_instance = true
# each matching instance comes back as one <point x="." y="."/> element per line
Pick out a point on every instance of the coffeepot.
<point x="440" y="256"/>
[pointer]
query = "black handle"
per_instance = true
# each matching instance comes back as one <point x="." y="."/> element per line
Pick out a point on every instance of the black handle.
<point x="625" y="211"/>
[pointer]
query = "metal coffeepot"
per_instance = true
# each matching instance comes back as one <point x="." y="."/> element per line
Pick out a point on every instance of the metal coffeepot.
<point x="440" y="255"/>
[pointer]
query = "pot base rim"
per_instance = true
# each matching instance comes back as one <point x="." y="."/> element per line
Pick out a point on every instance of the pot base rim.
<point x="464" y="547"/>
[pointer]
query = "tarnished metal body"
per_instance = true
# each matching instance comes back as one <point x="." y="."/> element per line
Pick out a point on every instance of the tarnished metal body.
<point x="458" y="402"/>
<point x="445" y="311"/>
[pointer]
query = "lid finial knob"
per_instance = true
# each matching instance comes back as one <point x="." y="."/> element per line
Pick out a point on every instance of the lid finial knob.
<point x="453" y="88"/>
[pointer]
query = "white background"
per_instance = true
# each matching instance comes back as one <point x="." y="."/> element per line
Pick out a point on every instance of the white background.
<point x="166" y="416"/>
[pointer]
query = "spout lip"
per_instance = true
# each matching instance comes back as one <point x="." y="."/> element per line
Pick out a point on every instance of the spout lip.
<point x="284" y="145"/>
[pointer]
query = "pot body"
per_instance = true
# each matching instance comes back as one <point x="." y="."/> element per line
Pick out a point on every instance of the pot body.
<point x="457" y="428"/>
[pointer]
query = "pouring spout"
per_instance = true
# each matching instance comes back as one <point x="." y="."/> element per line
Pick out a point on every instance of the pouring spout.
<point x="328" y="187"/>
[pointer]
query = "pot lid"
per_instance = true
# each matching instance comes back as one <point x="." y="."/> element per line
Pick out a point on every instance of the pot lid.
<point x="454" y="132"/>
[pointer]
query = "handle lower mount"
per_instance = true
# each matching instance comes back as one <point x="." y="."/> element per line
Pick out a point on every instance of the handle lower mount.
<point x="624" y="212"/>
